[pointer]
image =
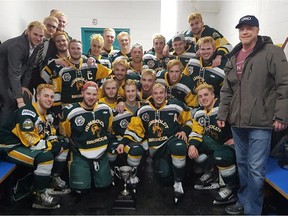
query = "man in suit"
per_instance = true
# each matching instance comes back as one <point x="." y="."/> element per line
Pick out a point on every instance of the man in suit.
<point x="17" y="56"/>
<point x="47" y="50"/>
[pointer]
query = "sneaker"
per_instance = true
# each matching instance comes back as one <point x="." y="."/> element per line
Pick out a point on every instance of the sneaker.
<point x="234" y="210"/>
<point x="212" y="186"/>
<point x="132" y="181"/>
<point x="178" y="190"/>
<point x="59" y="187"/>
<point x="45" y="201"/>
<point x="224" y="196"/>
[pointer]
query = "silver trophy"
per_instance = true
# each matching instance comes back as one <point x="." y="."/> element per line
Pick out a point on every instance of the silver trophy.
<point x="125" y="200"/>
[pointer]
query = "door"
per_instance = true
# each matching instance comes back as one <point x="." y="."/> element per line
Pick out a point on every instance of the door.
<point x="87" y="32"/>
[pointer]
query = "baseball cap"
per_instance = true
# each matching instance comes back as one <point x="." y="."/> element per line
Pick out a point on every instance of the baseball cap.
<point x="178" y="37"/>
<point x="248" y="20"/>
<point x="90" y="84"/>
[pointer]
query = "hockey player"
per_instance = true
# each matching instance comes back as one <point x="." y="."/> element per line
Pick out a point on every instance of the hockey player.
<point x="200" y="68"/>
<point x="88" y="125"/>
<point x="154" y="58"/>
<point x="198" y="30"/>
<point x="166" y="124"/>
<point x="148" y="78"/>
<point x="132" y="153"/>
<point x="124" y="41"/>
<point x="110" y="90"/>
<point x="177" y="85"/>
<point x="29" y="138"/>
<point x="136" y="64"/>
<point x="78" y="71"/>
<point x="50" y="73"/>
<point x="216" y="152"/>
<point x="96" y="47"/>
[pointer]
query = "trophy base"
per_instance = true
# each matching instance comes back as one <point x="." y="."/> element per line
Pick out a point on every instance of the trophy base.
<point x="125" y="202"/>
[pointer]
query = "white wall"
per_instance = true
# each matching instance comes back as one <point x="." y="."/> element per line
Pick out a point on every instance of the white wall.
<point x="272" y="16"/>
<point x="144" y="17"/>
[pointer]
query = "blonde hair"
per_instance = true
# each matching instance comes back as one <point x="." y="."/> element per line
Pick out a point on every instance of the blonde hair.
<point x="158" y="85"/>
<point x="207" y="39"/>
<point x="97" y="38"/>
<point x="174" y="62"/>
<point x="130" y="82"/>
<point x="204" y="86"/>
<point x="36" y="24"/>
<point x="148" y="72"/>
<point x="57" y="33"/>
<point x="194" y="16"/>
<point x="42" y="86"/>
<point x="51" y="18"/>
<point x="123" y="34"/>
<point x="122" y="62"/>
<point x="158" y="36"/>
<point x="109" y="30"/>
<point x="108" y="81"/>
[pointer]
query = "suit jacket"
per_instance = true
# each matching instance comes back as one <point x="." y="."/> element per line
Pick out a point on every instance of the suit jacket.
<point x="50" y="53"/>
<point x="16" y="65"/>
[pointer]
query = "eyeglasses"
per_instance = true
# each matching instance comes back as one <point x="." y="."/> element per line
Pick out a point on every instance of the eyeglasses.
<point x="51" y="26"/>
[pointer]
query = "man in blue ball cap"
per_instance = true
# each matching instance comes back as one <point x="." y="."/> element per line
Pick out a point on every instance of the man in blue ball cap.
<point x="254" y="99"/>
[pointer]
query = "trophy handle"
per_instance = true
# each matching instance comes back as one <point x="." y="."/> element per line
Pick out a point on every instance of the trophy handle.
<point x="117" y="172"/>
<point x="134" y="171"/>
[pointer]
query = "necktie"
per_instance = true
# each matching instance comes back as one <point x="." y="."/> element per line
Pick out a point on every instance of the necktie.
<point x="41" y="54"/>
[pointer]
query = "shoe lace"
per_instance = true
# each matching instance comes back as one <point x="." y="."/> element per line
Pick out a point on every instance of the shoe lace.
<point x="178" y="187"/>
<point x="205" y="177"/>
<point x="224" y="192"/>
<point x="134" y="180"/>
<point x="46" y="197"/>
<point x="59" y="183"/>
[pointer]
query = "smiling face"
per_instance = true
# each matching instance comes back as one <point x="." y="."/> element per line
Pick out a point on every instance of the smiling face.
<point x="206" y="98"/>
<point x="61" y="43"/>
<point x="96" y="48"/>
<point x="120" y="72"/>
<point x="35" y="35"/>
<point x="158" y="95"/>
<point x="130" y="92"/>
<point x="179" y="46"/>
<point x="90" y="97"/>
<point x="45" y="98"/>
<point x="75" y="50"/>
<point x="206" y="51"/>
<point x="248" y="35"/>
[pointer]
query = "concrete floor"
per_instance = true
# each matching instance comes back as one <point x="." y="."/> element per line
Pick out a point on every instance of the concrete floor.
<point x="152" y="198"/>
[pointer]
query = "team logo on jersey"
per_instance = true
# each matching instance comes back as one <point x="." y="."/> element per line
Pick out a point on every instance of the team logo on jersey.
<point x="157" y="129"/>
<point x="96" y="130"/>
<point x="124" y="123"/>
<point x="166" y="60"/>
<point x="28" y="112"/>
<point x="27" y="124"/>
<point x="151" y="63"/>
<point x="79" y="120"/>
<point x="215" y="35"/>
<point x="66" y="77"/>
<point x="145" y="117"/>
<point x="201" y="121"/>
<point x="79" y="85"/>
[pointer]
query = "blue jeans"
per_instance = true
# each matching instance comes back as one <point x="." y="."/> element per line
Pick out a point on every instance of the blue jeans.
<point x="252" y="148"/>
